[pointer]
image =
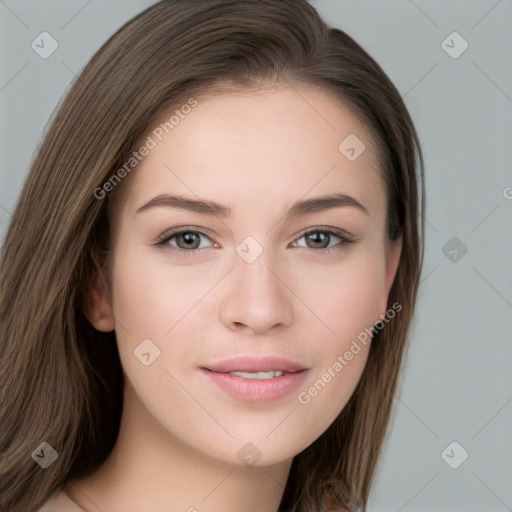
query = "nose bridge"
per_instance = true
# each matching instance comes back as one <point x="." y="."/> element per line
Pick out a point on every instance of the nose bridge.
<point x="256" y="295"/>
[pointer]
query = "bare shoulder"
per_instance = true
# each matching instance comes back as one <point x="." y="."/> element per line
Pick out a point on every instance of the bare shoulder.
<point x="60" y="502"/>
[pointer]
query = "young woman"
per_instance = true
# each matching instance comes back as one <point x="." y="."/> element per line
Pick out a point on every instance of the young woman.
<point x="210" y="274"/>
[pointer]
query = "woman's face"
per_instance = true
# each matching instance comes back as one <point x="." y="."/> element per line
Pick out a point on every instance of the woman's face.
<point x="255" y="283"/>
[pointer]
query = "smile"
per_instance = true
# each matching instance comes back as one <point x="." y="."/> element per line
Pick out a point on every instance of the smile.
<point x="251" y="379"/>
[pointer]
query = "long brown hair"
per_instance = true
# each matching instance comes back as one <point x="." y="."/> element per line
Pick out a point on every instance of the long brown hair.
<point x="62" y="380"/>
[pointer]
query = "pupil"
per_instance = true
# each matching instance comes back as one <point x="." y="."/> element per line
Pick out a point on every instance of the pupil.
<point x="189" y="238"/>
<point x="314" y="237"/>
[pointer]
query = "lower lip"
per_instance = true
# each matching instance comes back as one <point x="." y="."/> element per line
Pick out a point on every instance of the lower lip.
<point x="253" y="390"/>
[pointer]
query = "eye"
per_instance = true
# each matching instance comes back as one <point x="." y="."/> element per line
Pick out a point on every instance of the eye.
<point x="187" y="241"/>
<point x="321" y="239"/>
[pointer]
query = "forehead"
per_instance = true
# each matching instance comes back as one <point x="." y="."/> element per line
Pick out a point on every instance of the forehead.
<point x="267" y="145"/>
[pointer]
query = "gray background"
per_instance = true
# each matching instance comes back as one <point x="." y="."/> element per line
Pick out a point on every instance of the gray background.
<point x="457" y="382"/>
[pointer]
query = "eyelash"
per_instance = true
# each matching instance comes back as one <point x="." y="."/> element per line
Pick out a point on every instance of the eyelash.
<point x="166" y="237"/>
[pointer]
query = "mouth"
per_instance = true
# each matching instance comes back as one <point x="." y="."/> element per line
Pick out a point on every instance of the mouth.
<point x="250" y="379"/>
<point x="271" y="374"/>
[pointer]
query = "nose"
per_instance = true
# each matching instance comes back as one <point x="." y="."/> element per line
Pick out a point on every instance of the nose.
<point x="256" y="297"/>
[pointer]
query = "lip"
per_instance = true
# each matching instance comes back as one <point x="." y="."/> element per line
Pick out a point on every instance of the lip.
<point x="252" y="390"/>
<point x="256" y="364"/>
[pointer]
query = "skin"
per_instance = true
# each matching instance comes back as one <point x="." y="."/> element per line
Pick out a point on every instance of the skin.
<point x="256" y="152"/>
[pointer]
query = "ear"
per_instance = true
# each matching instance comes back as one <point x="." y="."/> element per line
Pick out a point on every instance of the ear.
<point x="97" y="306"/>
<point x="393" y="252"/>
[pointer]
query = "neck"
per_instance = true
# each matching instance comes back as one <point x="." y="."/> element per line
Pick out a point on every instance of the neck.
<point x="149" y="469"/>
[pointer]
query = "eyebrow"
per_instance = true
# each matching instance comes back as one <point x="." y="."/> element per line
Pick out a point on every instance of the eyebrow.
<point x="207" y="207"/>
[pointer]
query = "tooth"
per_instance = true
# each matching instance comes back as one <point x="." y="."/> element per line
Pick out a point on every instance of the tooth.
<point x="258" y="375"/>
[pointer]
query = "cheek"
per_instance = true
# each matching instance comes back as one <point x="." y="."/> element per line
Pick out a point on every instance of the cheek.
<point x="150" y="296"/>
<point x="164" y="302"/>
<point x="346" y="297"/>
<point x="347" y="302"/>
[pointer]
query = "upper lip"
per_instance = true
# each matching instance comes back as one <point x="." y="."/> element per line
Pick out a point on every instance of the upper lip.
<point x="256" y="364"/>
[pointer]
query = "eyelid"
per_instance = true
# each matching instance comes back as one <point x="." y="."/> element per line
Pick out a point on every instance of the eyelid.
<point x="170" y="233"/>
<point x="342" y="233"/>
